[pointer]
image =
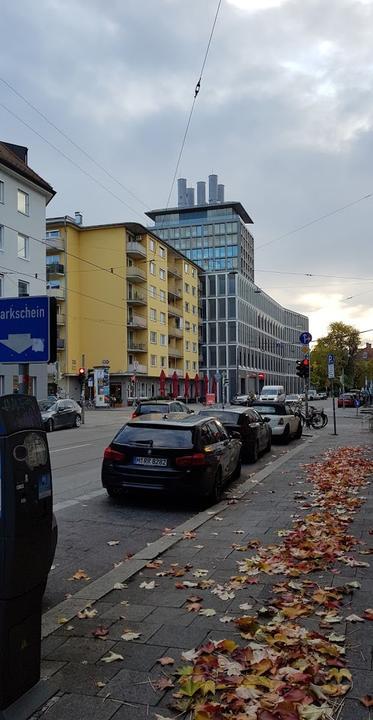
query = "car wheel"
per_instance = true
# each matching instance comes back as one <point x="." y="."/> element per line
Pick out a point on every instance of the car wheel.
<point x="237" y="471"/>
<point x="114" y="493"/>
<point x="299" y="431"/>
<point x="254" y="453"/>
<point x="269" y="445"/>
<point x="50" y="425"/>
<point x="77" y="421"/>
<point x="286" y="435"/>
<point x="216" y="492"/>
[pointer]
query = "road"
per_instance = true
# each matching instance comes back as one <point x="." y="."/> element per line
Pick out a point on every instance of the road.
<point x="88" y="520"/>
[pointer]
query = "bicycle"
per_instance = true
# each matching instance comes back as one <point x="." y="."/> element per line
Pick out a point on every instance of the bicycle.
<point x="317" y="419"/>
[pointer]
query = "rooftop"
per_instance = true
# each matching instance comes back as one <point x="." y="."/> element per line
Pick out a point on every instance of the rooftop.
<point x="14" y="157"/>
<point x="237" y="207"/>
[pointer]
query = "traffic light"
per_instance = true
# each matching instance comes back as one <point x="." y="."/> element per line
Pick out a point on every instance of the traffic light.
<point x="306" y="368"/>
<point x="299" y="368"/>
<point x="81" y="375"/>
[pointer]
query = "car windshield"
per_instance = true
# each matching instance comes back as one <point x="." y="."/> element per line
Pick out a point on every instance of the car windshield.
<point x="46" y="405"/>
<point x="270" y="409"/>
<point x="292" y="397"/>
<point x="269" y="391"/>
<point x="157" y="408"/>
<point x="156" y="437"/>
<point x="225" y="417"/>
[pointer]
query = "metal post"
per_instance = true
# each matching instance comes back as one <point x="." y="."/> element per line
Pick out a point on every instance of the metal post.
<point x="307" y="382"/>
<point x="334" y="416"/>
<point x="82" y="392"/>
<point x="24" y="378"/>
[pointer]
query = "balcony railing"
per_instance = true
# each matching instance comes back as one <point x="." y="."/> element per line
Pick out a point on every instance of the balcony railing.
<point x="174" y="311"/>
<point x="136" y="321"/>
<point x="173" y="270"/>
<point x="60" y="343"/>
<point x="135" y="249"/>
<point x="58" y="293"/>
<point x="136" y="298"/>
<point x="137" y="369"/>
<point x="174" y="293"/>
<point x="135" y="274"/>
<point x="175" y="332"/>
<point x="60" y="319"/>
<point x="179" y="372"/>
<point x="55" y="243"/>
<point x="174" y="352"/>
<point x="135" y="347"/>
<point x="55" y="269"/>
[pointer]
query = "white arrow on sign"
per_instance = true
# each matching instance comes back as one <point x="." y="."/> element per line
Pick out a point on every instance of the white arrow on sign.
<point x="20" y="343"/>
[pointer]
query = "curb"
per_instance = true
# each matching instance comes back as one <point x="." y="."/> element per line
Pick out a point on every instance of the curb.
<point x="67" y="609"/>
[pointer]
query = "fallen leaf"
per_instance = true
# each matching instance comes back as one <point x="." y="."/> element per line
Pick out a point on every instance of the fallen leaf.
<point x="162" y="684"/>
<point x="193" y="607"/>
<point x="227" y="618"/>
<point x="119" y="586"/>
<point x="189" y="655"/>
<point x="166" y="660"/>
<point x="113" y="542"/>
<point x="87" y="613"/>
<point x="245" y="606"/>
<point x="129" y="635"/>
<point x="80" y="575"/>
<point x="367" y="701"/>
<point x="354" y="618"/>
<point x="62" y="620"/>
<point x="147" y="585"/>
<point x="354" y="584"/>
<point x="100" y="684"/>
<point x="208" y="612"/>
<point x="200" y="573"/>
<point x="100" y="632"/>
<point x="154" y="565"/>
<point x="368" y="614"/>
<point x="219" y="519"/>
<point x="112" y="657"/>
<point x="189" y="535"/>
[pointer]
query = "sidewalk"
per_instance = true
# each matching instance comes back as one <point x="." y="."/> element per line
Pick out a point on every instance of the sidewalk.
<point x="186" y="597"/>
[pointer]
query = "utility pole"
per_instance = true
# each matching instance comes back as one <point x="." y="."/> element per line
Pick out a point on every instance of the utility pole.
<point x="82" y="390"/>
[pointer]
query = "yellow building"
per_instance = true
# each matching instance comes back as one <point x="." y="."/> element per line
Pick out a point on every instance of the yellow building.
<point x="126" y="301"/>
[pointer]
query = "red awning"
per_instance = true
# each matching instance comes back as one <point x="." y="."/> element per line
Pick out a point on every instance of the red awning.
<point x="162" y="383"/>
<point x="175" y="385"/>
<point x="186" y="385"/>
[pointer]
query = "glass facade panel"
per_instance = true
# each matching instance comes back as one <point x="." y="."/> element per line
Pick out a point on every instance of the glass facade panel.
<point x="212" y="356"/>
<point x="221" y="309"/>
<point x="212" y="332"/>
<point x="222" y="331"/>
<point x="212" y="309"/>
<point x="231" y="355"/>
<point x="221" y="284"/>
<point x="212" y="284"/>
<point x="231" y="308"/>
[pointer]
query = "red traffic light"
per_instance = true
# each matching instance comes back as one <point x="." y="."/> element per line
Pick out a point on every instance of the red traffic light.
<point x="306" y="362"/>
<point x="81" y="371"/>
<point x="261" y="376"/>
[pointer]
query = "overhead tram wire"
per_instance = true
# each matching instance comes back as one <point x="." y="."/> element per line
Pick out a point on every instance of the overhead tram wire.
<point x="73" y="162"/>
<point x="196" y="92"/>
<point x="75" y="144"/>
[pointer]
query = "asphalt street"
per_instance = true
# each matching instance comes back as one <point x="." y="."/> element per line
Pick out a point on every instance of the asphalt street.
<point x="88" y="520"/>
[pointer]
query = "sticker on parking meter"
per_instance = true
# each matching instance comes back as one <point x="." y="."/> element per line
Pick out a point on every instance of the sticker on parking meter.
<point x="45" y="486"/>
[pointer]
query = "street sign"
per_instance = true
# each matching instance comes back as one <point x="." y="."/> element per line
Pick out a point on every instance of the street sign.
<point x="331" y="366"/>
<point x="305" y="338"/>
<point x="331" y="359"/>
<point x="25" y="330"/>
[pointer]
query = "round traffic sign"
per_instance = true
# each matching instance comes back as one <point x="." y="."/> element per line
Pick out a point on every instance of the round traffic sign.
<point x="305" y="338"/>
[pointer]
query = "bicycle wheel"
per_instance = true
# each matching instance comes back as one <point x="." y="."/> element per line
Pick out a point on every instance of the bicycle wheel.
<point x="317" y="421"/>
<point x="325" y="420"/>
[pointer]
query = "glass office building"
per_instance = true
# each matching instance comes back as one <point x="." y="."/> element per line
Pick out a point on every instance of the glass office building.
<point x="247" y="337"/>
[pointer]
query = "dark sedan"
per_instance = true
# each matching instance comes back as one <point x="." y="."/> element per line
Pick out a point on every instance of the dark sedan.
<point x="160" y="406"/>
<point x="60" y="414"/>
<point x="256" y="435"/>
<point x="178" y="454"/>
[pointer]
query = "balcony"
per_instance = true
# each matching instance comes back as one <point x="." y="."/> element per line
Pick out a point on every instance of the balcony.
<point x="136" y="298"/>
<point x="135" y="274"/>
<point x="175" y="332"/>
<point x="173" y="270"/>
<point x="135" y="347"/>
<point x="174" y="311"/>
<point x="135" y="249"/>
<point x="55" y="243"/>
<point x="60" y="319"/>
<point x="137" y="322"/>
<point x="179" y="373"/>
<point x="137" y="369"/>
<point x="55" y="269"/>
<point x="58" y="293"/>
<point x="174" y="293"/>
<point x="60" y="343"/>
<point x="174" y="352"/>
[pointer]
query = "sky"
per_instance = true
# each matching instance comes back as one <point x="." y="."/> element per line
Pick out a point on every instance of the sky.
<point x="284" y="116"/>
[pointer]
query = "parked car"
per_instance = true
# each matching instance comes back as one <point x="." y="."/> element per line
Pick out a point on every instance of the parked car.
<point x="179" y="454"/>
<point x="294" y="399"/>
<point x="60" y="414"/>
<point x="272" y="392"/>
<point x="283" y="420"/>
<point x="256" y="435"/>
<point x="346" y="400"/>
<point x="160" y="406"/>
<point x="243" y="399"/>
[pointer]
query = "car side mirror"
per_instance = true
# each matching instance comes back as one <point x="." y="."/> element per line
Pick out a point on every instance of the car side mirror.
<point x="267" y="419"/>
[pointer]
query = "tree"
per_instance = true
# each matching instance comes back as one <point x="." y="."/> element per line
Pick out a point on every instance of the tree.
<point x="343" y="341"/>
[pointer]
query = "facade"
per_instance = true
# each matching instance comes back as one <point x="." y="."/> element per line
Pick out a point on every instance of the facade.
<point x="23" y="198"/>
<point x="127" y="302"/>
<point x="248" y="338"/>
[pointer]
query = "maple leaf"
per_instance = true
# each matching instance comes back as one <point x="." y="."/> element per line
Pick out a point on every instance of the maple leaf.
<point x="354" y="618"/>
<point x="367" y="701"/>
<point x="227" y="618"/>
<point x="193" y="607"/>
<point x="208" y="612"/>
<point x="100" y="632"/>
<point x="339" y="675"/>
<point x="312" y="712"/>
<point x="189" y="535"/>
<point x="154" y="565"/>
<point x="112" y="657"/>
<point x="200" y="572"/>
<point x="163" y="683"/>
<point x="80" y="575"/>
<point x="113" y="542"/>
<point x="147" y="585"/>
<point x="87" y="613"/>
<point x="368" y="614"/>
<point x="130" y="635"/>
<point x="119" y="586"/>
<point x="189" y="655"/>
<point x="166" y="660"/>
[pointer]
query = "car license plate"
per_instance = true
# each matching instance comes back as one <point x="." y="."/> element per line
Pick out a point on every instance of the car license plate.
<point x="154" y="461"/>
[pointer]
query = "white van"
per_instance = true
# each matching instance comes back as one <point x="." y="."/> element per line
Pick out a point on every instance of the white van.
<point x="272" y="392"/>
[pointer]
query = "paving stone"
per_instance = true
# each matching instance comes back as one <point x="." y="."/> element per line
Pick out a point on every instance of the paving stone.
<point x="131" y="612"/>
<point x="80" y="707"/>
<point x="140" y="712"/>
<point x="79" y="678"/>
<point x="49" y="644"/>
<point x="172" y="615"/>
<point x="49" y="668"/>
<point x="81" y="628"/>
<point x="139" y="657"/>
<point x="353" y="709"/>
<point x="146" y="628"/>
<point x="133" y="686"/>
<point x="79" y="649"/>
<point x="185" y="638"/>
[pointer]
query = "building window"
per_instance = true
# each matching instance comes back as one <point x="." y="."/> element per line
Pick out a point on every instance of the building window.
<point x="194" y="365"/>
<point x="194" y="290"/>
<point x="221" y="309"/>
<point x="162" y="252"/>
<point x="187" y="325"/>
<point x="2" y="383"/>
<point x="152" y="268"/>
<point x="163" y="339"/>
<point x="187" y="307"/>
<point x="162" y="296"/>
<point x="187" y="345"/>
<point x="162" y="274"/>
<point x="194" y="347"/>
<point x="153" y="314"/>
<point x="153" y="360"/>
<point x="23" y="246"/>
<point x="152" y="291"/>
<point x="212" y="332"/>
<point x="162" y="318"/>
<point x="187" y="364"/>
<point x="231" y="308"/>
<point x="212" y="284"/>
<point x="231" y="284"/>
<point x="2" y="194"/>
<point x="153" y="337"/>
<point x="151" y="245"/>
<point x="23" y="202"/>
<point x="194" y="328"/>
<point x="1" y="237"/>
<point x="232" y="332"/>
<point x="222" y="352"/>
<point x="23" y="288"/>
<point x="186" y="267"/>
<point x="231" y="355"/>
<point x="194" y="309"/>
<point x="187" y="287"/>
<point x="193" y="272"/>
<point x="212" y="356"/>
<point x="163" y="361"/>
<point x="212" y="309"/>
<point x="221" y="284"/>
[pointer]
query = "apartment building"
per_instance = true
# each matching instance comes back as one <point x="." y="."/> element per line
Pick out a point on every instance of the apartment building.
<point x="23" y="199"/>
<point x="248" y="338"/>
<point x="127" y="302"/>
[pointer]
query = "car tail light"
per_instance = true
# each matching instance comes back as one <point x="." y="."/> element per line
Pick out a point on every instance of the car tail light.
<point x="281" y="421"/>
<point x="133" y="414"/>
<point x="113" y="455"/>
<point x="191" y="460"/>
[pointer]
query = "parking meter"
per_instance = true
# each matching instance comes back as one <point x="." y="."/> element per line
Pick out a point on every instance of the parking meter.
<point x="27" y="542"/>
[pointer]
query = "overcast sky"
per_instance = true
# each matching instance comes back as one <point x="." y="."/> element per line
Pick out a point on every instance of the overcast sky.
<point x="284" y="117"/>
